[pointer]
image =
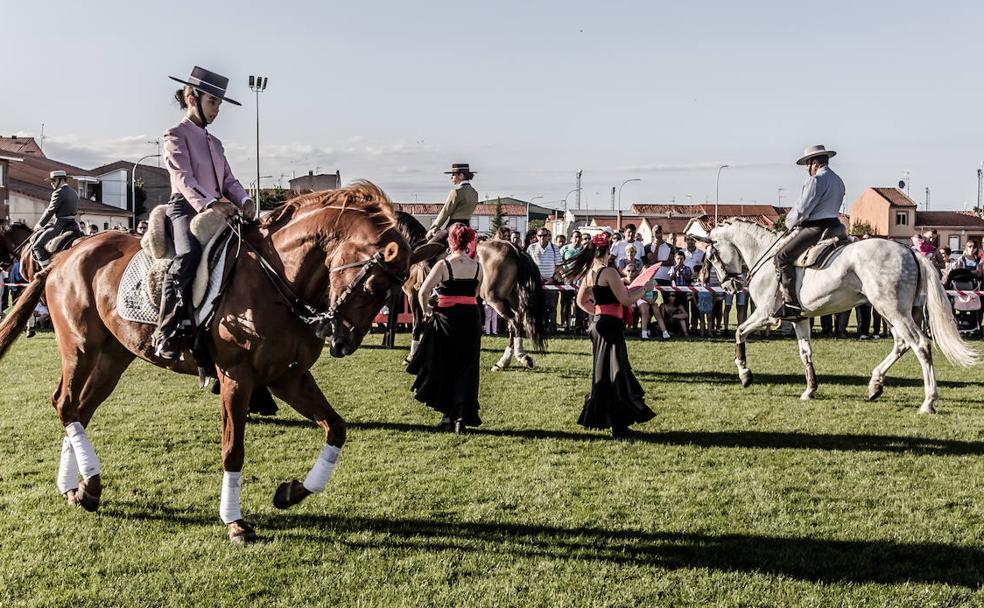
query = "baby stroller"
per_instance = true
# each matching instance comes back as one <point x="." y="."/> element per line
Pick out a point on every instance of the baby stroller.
<point x="966" y="307"/>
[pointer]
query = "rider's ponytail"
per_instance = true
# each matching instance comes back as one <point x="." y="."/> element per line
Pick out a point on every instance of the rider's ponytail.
<point x="180" y="95"/>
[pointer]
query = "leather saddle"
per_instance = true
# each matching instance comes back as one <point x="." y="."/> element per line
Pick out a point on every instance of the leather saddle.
<point x="832" y="239"/>
<point x="63" y="241"/>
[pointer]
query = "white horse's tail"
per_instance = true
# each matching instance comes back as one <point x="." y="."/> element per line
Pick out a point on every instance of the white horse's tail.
<point x="941" y="319"/>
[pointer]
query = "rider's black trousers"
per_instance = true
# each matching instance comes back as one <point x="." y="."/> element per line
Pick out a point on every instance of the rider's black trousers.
<point x="806" y="236"/>
<point x="176" y="291"/>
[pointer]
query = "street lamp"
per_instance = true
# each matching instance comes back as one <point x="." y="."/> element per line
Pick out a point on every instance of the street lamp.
<point x="634" y="179"/>
<point x="717" y="194"/>
<point x="258" y="84"/>
<point x="779" y="204"/>
<point x="133" y="186"/>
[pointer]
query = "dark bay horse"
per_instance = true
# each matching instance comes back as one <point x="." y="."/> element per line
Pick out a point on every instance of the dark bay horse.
<point x="331" y="260"/>
<point x="511" y="286"/>
<point x="12" y="239"/>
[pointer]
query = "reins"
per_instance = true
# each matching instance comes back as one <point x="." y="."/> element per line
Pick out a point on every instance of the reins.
<point x="307" y="313"/>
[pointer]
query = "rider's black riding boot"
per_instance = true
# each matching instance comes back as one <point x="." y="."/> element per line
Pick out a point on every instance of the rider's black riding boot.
<point x="790" y="308"/>
<point x="174" y="322"/>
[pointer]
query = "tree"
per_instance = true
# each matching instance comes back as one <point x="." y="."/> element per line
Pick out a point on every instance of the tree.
<point x="780" y="225"/>
<point x="141" y="197"/>
<point x="861" y="229"/>
<point x="496" y="221"/>
<point x="272" y="200"/>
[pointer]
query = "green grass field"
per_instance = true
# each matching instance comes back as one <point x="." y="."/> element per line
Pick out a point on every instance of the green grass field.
<point x="730" y="496"/>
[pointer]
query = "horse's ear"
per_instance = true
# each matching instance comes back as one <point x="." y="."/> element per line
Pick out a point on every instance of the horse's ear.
<point x="391" y="251"/>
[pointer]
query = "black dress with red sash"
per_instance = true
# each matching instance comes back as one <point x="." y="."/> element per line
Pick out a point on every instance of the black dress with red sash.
<point x="446" y="363"/>
<point x="616" y="399"/>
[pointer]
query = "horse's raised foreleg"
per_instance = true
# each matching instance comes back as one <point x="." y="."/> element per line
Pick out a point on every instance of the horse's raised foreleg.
<point x="304" y="395"/>
<point x="236" y="390"/>
<point x="758" y="319"/>
<point x="877" y="383"/>
<point x="806" y="355"/>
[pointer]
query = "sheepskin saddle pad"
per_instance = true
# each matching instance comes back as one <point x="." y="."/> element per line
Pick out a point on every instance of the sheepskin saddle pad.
<point x="139" y="295"/>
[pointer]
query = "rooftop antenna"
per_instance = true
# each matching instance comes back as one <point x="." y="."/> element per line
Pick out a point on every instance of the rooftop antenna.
<point x="41" y="143"/>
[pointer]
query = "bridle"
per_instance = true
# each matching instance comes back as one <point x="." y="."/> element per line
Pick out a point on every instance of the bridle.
<point x="312" y="315"/>
<point x="730" y="281"/>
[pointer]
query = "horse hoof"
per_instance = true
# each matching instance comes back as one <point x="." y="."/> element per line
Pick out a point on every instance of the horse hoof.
<point x="746" y="379"/>
<point x="528" y="362"/>
<point x="241" y="532"/>
<point x="497" y="368"/>
<point x="289" y="494"/>
<point x="807" y="395"/>
<point x="875" y="393"/>
<point x="927" y="408"/>
<point x="87" y="496"/>
<point x="72" y="496"/>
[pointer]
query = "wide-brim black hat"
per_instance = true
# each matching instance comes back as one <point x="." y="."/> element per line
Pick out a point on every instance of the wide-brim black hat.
<point x="208" y="82"/>
<point x="459" y="168"/>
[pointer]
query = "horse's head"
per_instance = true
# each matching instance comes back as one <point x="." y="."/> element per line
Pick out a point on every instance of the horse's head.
<point x="724" y="256"/>
<point x="362" y="274"/>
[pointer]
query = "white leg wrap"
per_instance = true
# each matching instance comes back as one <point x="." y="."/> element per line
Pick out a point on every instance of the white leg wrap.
<point x="506" y="357"/>
<point x="229" y="502"/>
<point x="88" y="462"/>
<point x="320" y="473"/>
<point x="68" y="468"/>
<point x="518" y="348"/>
<point x="413" y="346"/>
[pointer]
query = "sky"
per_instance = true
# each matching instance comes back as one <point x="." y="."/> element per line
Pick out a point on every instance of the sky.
<point x="528" y="92"/>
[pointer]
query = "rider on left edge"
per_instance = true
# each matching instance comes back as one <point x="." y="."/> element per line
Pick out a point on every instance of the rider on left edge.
<point x="62" y="209"/>
<point x="200" y="177"/>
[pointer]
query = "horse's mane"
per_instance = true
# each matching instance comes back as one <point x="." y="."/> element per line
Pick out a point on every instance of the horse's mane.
<point x="362" y="196"/>
<point x="411" y="229"/>
<point x="745" y="221"/>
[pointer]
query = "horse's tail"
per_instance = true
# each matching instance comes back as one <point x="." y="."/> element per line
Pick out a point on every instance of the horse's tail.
<point x="532" y="303"/>
<point x="16" y="321"/>
<point x="941" y="320"/>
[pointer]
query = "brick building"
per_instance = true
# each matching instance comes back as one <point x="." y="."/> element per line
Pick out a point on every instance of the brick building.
<point x="892" y="214"/>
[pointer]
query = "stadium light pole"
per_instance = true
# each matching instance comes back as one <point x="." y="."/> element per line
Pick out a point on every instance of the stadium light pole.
<point x="634" y="179"/>
<point x="257" y="84"/>
<point x="717" y="193"/>
<point x="133" y="186"/>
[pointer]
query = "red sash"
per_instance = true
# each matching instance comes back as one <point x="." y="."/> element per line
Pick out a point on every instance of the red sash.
<point x="612" y="310"/>
<point x="447" y="301"/>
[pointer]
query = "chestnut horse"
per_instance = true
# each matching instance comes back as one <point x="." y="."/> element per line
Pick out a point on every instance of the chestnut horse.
<point x="324" y="260"/>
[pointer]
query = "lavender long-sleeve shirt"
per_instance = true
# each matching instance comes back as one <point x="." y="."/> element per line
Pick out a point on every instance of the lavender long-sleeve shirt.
<point x="186" y="152"/>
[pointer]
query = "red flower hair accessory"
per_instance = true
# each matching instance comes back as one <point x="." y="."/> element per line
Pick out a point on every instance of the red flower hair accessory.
<point x="600" y="239"/>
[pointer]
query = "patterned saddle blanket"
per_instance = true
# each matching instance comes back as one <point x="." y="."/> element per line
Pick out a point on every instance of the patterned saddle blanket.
<point x="139" y="295"/>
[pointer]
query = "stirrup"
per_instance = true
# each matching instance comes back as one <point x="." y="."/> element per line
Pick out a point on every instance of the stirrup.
<point x="788" y="312"/>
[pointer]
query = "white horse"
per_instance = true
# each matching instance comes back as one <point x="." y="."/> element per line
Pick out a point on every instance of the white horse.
<point x="887" y="274"/>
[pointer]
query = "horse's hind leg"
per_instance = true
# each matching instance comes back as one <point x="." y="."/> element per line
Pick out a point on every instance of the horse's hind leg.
<point x="806" y="355"/>
<point x="303" y="394"/>
<point x="517" y="344"/>
<point x="905" y="327"/>
<point x="877" y="383"/>
<point x="87" y="380"/>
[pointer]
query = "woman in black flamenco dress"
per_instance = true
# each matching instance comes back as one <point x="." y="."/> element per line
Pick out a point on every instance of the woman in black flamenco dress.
<point x="616" y="400"/>
<point x="446" y="363"/>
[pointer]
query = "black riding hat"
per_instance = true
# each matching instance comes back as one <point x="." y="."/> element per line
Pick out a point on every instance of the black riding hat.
<point x="459" y="168"/>
<point x="208" y="82"/>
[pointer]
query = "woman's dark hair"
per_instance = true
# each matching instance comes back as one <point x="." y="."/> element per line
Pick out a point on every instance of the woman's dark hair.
<point x="530" y="239"/>
<point x="577" y="266"/>
<point x="180" y="95"/>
